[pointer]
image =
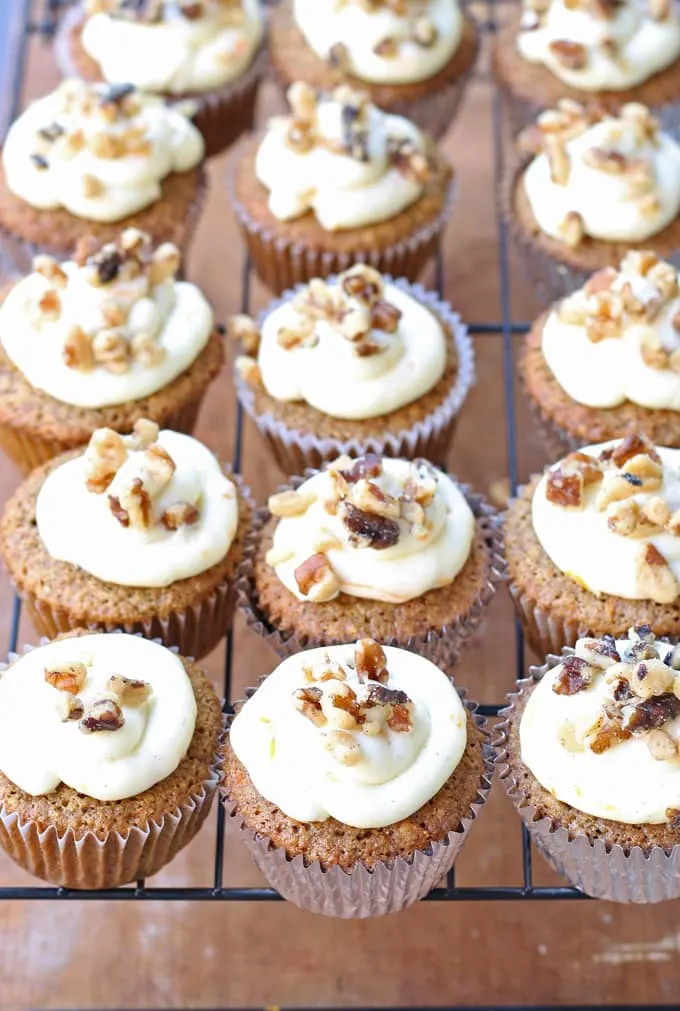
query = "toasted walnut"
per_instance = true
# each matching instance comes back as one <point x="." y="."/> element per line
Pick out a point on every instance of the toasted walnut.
<point x="308" y="702"/>
<point x="566" y="482"/>
<point x="574" y="676"/>
<point x="111" y="350"/>
<point x="104" y="456"/>
<point x="158" y="468"/>
<point x="164" y="263"/>
<point x="370" y="660"/>
<point x="104" y="714"/>
<point x="654" y="578"/>
<point x="48" y="267"/>
<point x="399" y="707"/>
<point x="343" y="710"/>
<point x="135" y="501"/>
<point x="49" y="305"/>
<point x="366" y="466"/>
<point x="599" y="653"/>
<point x="343" y="747"/>
<point x="656" y="510"/>
<point x="130" y="691"/>
<point x="661" y="745"/>
<point x="316" y="579"/>
<point x="638" y="455"/>
<point x="67" y="677"/>
<point x="558" y="160"/>
<point x="92" y="187"/>
<point x="651" y="677"/>
<point x="73" y="709"/>
<point x="606" y="733"/>
<point x="146" y="350"/>
<point x="363" y="283"/>
<point x="144" y="434"/>
<point x="572" y="229"/>
<point x="290" y="503"/>
<point x="366" y="495"/>
<point x="570" y="55"/>
<point x="651" y="713"/>
<point x="77" y="350"/>
<point x="616" y="487"/>
<point x="385" y="316"/>
<point x="368" y="529"/>
<point x="182" y="514"/>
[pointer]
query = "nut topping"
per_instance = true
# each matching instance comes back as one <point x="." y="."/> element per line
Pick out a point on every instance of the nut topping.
<point x="369" y="529"/>
<point x="183" y="514"/>
<point x="67" y="677"/>
<point x="316" y="580"/>
<point x="370" y="660"/>
<point x="290" y="503"/>
<point x="575" y="676"/>
<point x="104" y="714"/>
<point x="130" y="691"/>
<point x="104" y="456"/>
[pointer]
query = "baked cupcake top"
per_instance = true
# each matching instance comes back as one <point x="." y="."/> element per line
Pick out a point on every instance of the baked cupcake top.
<point x="363" y="734"/>
<point x="610" y="177"/>
<point x="382" y="41"/>
<point x="173" y="46"/>
<point x="341" y="158"/>
<point x="600" y="730"/>
<point x="617" y="339"/>
<point x="600" y="45"/>
<point x="357" y="346"/>
<point x="110" y="716"/>
<point x="379" y="529"/>
<point x="112" y="325"/>
<point x="144" y="510"/>
<point x="99" y="151"/>
<point x="609" y="517"/>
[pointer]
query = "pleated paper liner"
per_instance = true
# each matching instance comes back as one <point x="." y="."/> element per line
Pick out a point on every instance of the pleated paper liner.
<point x="430" y="437"/>
<point x="440" y="645"/>
<point x="83" y="860"/>
<point x="389" y="886"/>
<point x="596" y="867"/>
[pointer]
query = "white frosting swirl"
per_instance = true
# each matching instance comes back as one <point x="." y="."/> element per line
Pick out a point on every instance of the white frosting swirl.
<point x="325" y="23"/>
<point x="342" y="191"/>
<point x="289" y="761"/>
<point x="606" y="371"/>
<point x="423" y="558"/>
<point x="327" y="371"/>
<point x="622" y="44"/>
<point x="583" y="543"/>
<point x="107" y="159"/>
<point x="39" y="749"/>
<point x="176" y="54"/>
<point x="629" y="205"/>
<point x="174" y="315"/>
<point x="79" y="526"/>
<point x="625" y="783"/>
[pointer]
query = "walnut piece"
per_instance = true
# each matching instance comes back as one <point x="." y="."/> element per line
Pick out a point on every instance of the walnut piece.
<point x="661" y="745"/>
<point x="104" y="456"/>
<point x="654" y="578"/>
<point x="308" y="702"/>
<point x="290" y="503"/>
<point x="182" y="514"/>
<point x="370" y="660"/>
<point x="343" y="747"/>
<point x="368" y="529"/>
<point x="575" y="676"/>
<point x="130" y="691"/>
<point x="316" y="579"/>
<point x="651" y="713"/>
<point x="67" y="677"/>
<point x="103" y="714"/>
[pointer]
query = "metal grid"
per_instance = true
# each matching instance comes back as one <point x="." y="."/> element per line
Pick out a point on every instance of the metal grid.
<point x="15" y="29"/>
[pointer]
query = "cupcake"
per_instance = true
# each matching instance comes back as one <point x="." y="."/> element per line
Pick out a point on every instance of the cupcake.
<point x="605" y="362"/>
<point x="358" y="364"/>
<point x="92" y="159"/>
<point x="353" y="774"/>
<point x="142" y="533"/>
<point x="593" y="546"/>
<point x="608" y="53"/>
<point x="597" y="186"/>
<point x="209" y="55"/>
<point x="339" y="182"/>
<point x="101" y="341"/>
<point x="108" y="758"/>
<point x="412" y="59"/>
<point x="394" y="549"/>
<point x="589" y="756"/>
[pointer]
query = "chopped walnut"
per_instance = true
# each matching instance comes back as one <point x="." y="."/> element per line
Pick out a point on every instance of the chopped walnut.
<point x="104" y="456"/>
<point x="607" y="732"/>
<point x="73" y="709"/>
<point x="316" y="579"/>
<point x="566" y="482"/>
<point x="661" y="745"/>
<point x="575" y="675"/>
<point x="651" y="677"/>
<point x="308" y="702"/>
<point x="135" y="502"/>
<point x="77" y="350"/>
<point x="572" y="229"/>
<point x="164" y="263"/>
<point x="182" y="514"/>
<point x="570" y="55"/>
<point x="342" y="746"/>
<point x="130" y="691"/>
<point x="50" y="270"/>
<point x="654" y="578"/>
<point x="67" y="677"/>
<point x="49" y="305"/>
<point x="111" y="349"/>
<point x="144" y="433"/>
<point x="558" y="160"/>
<point x="290" y="503"/>
<point x="104" y="714"/>
<point x="651" y="713"/>
<point x="599" y="653"/>
<point x="369" y="529"/>
<point x="370" y="660"/>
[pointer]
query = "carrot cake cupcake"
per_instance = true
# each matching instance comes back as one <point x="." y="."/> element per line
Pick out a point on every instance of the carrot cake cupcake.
<point x="209" y="54"/>
<point x="101" y="341"/>
<point x="593" y="545"/>
<point x="590" y="759"/>
<point x="338" y="182"/>
<point x="358" y="364"/>
<point x="593" y="186"/>
<point x="353" y="774"/>
<point x="143" y="533"/>
<point x="608" y="52"/>
<point x="413" y="58"/>
<point x="605" y="362"/>
<point x="108" y="758"/>
<point x="94" y="158"/>
<point x="390" y="548"/>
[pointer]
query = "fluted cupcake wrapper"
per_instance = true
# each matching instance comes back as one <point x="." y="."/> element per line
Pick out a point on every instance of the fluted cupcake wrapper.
<point x="441" y="645"/>
<point x="80" y="861"/>
<point x="430" y="437"/>
<point x="599" y="869"/>
<point x="557" y="441"/>
<point x="546" y="631"/>
<point x="359" y="893"/>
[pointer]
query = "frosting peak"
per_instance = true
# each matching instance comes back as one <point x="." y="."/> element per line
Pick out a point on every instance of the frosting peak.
<point x="342" y="158"/>
<point x="615" y="178"/>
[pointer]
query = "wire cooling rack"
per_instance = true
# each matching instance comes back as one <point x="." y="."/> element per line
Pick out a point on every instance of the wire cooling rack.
<point x="16" y="26"/>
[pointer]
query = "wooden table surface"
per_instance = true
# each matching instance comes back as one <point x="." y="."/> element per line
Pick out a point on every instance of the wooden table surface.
<point x="200" y="955"/>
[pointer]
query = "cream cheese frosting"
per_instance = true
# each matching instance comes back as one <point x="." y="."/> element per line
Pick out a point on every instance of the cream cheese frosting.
<point x="328" y="735"/>
<point x="618" y="338"/>
<point x="383" y="43"/>
<point x="600" y="731"/>
<point x="609" y="517"/>
<point x="108" y="715"/>
<point x="99" y="151"/>
<point x="143" y="510"/>
<point x="607" y="45"/>
<point x="379" y="529"/>
<point x="610" y="177"/>
<point x="177" y="47"/>
<point x="342" y="158"/>
<point x="110" y="327"/>
<point x="356" y="348"/>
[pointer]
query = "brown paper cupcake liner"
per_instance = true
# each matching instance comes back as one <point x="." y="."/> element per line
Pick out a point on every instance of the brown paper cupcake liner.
<point x="599" y="869"/>
<point x="282" y="263"/>
<point x="556" y="440"/>
<point x="86" y="861"/>
<point x="430" y="437"/>
<point x="389" y="887"/>
<point x="194" y="631"/>
<point x="442" y="645"/>
<point x="546" y="632"/>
